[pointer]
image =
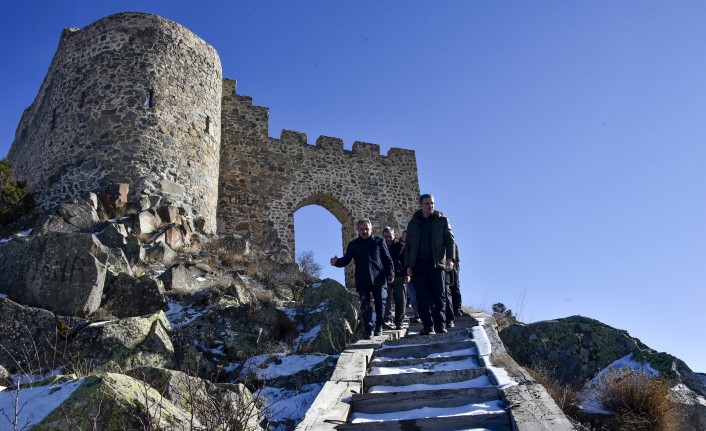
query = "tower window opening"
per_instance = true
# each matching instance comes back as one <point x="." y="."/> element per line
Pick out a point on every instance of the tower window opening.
<point x="54" y="116"/>
<point x="83" y="100"/>
<point x="208" y="124"/>
<point x="149" y="102"/>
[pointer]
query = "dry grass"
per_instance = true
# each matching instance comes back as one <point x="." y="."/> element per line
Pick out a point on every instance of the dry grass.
<point x="565" y="395"/>
<point x="637" y="400"/>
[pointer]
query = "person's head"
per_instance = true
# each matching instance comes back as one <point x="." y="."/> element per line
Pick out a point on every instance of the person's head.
<point x="389" y="234"/>
<point x="364" y="228"/>
<point x="403" y="236"/>
<point x="426" y="204"/>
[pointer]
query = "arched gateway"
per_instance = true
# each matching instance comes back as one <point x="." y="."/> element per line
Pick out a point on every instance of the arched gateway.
<point x="264" y="181"/>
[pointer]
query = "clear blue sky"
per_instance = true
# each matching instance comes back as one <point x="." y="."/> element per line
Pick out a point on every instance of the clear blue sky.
<point x="564" y="140"/>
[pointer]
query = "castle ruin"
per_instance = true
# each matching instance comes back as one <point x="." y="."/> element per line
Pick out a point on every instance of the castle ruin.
<point x="135" y="98"/>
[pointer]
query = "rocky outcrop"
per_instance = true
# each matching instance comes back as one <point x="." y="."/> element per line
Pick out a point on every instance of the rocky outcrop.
<point x="129" y="297"/>
<point x="330" y="317"/>
<point x="124" y="344"/>
<point x="33" y="339"/>
<point x="62" y="272"/>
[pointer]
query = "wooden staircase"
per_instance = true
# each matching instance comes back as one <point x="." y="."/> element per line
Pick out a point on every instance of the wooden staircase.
<point x="460" y="380"/>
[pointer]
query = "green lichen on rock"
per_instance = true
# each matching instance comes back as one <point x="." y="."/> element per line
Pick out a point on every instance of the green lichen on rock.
<point x="116" y="402"/>
<point x="126" y="343"/>
<point x="333" y="309"/>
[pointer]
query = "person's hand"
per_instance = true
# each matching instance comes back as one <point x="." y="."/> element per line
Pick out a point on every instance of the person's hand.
<point x="410" y="273"/>
<point x="449" y="265"/>
<point x="407" y="279"/>
<point x="334" y="260"/>
<point x="390" y="279"/>
<point x="458" y="265"/>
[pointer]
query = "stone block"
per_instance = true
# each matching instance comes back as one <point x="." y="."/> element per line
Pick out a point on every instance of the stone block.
<point x="80" y="213"/>
<point x="179" y="278"/>
<point x="146" y="222"/>
<point x="161" y="253"/>
<point x="129" y="297"/>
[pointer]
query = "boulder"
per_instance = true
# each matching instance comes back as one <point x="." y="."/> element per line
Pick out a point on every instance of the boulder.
<point x="161" y="253"/>
<point x="126" y="343"/>
<point x="179" y="278"/>
<point x="146" y="222"/>
<point x="129" y="297"/>
<point x="287" y="371"/>
<point x="80" y="213"/>
<point x="330" y="317"/>
<point x="52" y="223"/>
<point x="62" y="272"/>
<point x="212" y="404"/>
<point x="169" y="214"/>
<point x="26" y="337"/>
<point x="110" y="402"/>
<point x="114" y="235"/>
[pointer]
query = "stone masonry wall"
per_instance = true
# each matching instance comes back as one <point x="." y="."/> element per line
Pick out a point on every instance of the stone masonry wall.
<point x="264" y="181"/>
<point x="132" y="98"/>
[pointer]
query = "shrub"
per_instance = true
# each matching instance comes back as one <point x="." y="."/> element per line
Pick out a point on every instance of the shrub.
<point x="15" y="200"/>
<point x="503" y="316"/>
<point x="309" y="266"/>
<point x="637" y="399"/>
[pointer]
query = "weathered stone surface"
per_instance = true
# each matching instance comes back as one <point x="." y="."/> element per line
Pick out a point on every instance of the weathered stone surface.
<point x="169" y="214"/>
<point x="52" y="223"/>
<point x="129" y="297"/>
<point x="330" y="317"/>
<point x="117" y="402"/>
<point x="210" y="403"/>
<point x="257" y="370"/>
<point x="161" y="253"/>
<point x="126" y="343"/>
<point x="146" y="222"/>
<point x="80" y="213"/>
<point x="5" y="377"/>
<point x="114" y="235"/>
<point x="26" y="337"/>
<point x="62" y="272"/>
<point x="179" y="278"/>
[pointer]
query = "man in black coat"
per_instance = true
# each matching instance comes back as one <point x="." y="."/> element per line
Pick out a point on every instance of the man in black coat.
<point x="373" y="268"/>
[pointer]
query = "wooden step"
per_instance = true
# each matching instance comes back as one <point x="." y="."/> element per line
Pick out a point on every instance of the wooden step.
<point x="379" y="368"/>
<point x="416" y="361"/>
<point x="429" y="378"/>
<point x="493" y="422"/>
<point x="423" y="350"/>
<point x="399" y="401"/>
<point x="427" y="339"/>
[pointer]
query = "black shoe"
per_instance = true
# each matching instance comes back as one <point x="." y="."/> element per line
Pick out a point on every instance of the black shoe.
<point x="460" y="313"/>
<point x="398" y="326"/>
<point x="427" y="331"/>
<point x="389" y="325"/>
<point x="450" y="324"/>
<point x="378" y="331"/>
<point x="441" y="331"/>
<point x="368" y="335"/>
<point x="416" y="320"/>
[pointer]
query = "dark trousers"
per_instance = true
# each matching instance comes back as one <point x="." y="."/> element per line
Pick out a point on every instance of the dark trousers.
<point x="429" y="283"/>
<point x="455" y="287"/>
<point x="396" y="292"/>
<point x="365" y="308"/>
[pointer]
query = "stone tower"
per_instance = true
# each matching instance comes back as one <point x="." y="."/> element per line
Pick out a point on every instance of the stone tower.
<point x="132" y="98"/>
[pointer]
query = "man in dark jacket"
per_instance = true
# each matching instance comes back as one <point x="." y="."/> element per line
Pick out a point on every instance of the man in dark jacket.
<point x="428" y="254"/>
<point x="373" y="268"/>
<point x="396" y="289"/>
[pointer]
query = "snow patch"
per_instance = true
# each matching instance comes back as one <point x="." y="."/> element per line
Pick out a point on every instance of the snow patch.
<point x="267" y="367"/>
<point x="310" y="334"/>
<point x="37" y="401"/>
<point x="427" y="366"/>
<point x="286" y="404"/>
<point x="178" y="315"/>
<point x="481" y="340"/>
<point x="494" y="406"/>
<point x="478" y="382"/>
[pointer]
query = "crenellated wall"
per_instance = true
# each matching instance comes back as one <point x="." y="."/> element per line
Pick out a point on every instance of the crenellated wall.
<point x="130" y="98"/>
<point x="264" y="180"/>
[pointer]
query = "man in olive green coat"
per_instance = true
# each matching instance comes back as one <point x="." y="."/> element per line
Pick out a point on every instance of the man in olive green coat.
<point x="428" y="255"/>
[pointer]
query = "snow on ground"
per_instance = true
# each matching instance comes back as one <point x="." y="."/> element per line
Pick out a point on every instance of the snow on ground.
<point x="268" y="367"/>
<point x="21" y="233"/>
<point x="310" y="334"/>
<point x="36" y="402"/>
<point x="287" y="404"/>
<point x="481" y="340"/>
<point x="290" y="312"/>
<point x="495" y="406"/>
<point x="178" y="315"/>
<point x="463" y="364"/>
<point x="478" y="382"/>
<point x="462" y="352"/>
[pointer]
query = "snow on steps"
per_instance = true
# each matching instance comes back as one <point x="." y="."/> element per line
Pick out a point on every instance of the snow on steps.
<point x="436" y="382"/>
